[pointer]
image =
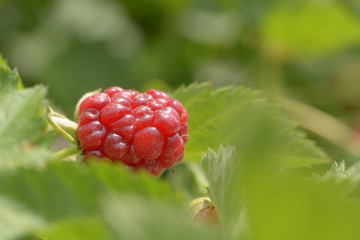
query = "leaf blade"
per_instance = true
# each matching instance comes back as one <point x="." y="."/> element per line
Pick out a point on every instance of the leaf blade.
<point x="21" y="120"/>
<point x="225" y="116"/>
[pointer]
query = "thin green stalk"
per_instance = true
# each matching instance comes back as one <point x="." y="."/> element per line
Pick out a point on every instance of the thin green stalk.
<point x="60" y="155"/>
<point x="199" y="177"/>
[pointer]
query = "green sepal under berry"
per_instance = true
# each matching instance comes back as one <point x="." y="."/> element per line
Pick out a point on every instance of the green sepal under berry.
<point x="63" y="125"/>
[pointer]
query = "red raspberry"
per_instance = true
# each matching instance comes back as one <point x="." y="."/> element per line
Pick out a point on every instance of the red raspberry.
<point x="142" y="130"/>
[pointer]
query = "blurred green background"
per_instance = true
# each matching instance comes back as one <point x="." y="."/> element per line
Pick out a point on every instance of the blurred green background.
<point x="306" y="49"/>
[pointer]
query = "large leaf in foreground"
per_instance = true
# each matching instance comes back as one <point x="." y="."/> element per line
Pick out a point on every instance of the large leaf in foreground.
<point x="130" y="217"/>
<point x="346" y="180"/>
<point x="15" y="220"/>
<point x="138" y="218"/>
<point x="256" y="201"/>
<point x="287" y="206"/>
<point x="20" y="119"/>
<point x="238" y="116"/>
<point x="67" y="190"/>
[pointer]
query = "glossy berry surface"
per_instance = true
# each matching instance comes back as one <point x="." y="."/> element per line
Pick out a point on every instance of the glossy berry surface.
<point x="142" y="130"/>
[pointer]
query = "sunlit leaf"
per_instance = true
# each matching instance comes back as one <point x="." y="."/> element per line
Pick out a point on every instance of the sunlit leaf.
<point x="242" y="118"/>
<point x="15" y="220"/>
<point x="21" y="119"/>
<point x="68" y="190"/>
<point x="138" y="218"/>
<point x="291" y="207"/>
<point x="90" y="227"/>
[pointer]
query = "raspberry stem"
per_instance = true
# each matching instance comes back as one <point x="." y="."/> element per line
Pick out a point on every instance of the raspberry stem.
<point x="65" y="153"/>
<point x="198" y="176"/>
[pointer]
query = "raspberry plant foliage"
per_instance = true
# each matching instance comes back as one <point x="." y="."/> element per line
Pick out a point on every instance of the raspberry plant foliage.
<point x="253" y="169"/>
<point x="232" y="114"/>
<point x="21" y="121"/>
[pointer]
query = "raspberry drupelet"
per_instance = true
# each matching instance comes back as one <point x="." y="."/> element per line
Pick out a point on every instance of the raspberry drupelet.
<point x="142" y="130"/>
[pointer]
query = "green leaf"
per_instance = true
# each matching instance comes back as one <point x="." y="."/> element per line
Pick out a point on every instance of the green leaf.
<point x="223" y="172"/>
<point x="9" y="79"/>
<point x="284" y="206"/>
<point x="93" y="227"/>
<point x="346" y="180"/>
<point x="15" y="220"/>
<point x="260" y="202"/>
<point x="21" y="120"/>
<point x="138" y="218"/>
<point x="211" y="115"/>
<point x="242" y="118"/>
<point x="129" y="217"/>
<point x="336" y="172"/>
<point x="66" y="190"/>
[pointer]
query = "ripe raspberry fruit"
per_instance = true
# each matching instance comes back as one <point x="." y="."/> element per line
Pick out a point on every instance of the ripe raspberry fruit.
<point x="142" y="130"/>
